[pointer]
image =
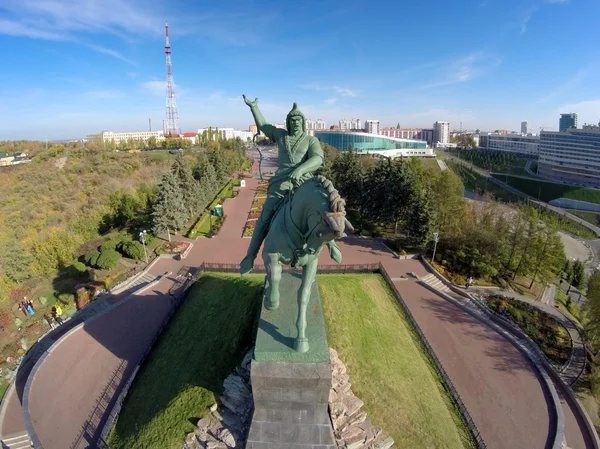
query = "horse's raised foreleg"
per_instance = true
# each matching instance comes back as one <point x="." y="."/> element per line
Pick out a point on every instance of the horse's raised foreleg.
<point x="273" y="277"/>
<point x="309" y="272"/>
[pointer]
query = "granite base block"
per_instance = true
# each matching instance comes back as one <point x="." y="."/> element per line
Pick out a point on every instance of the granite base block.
<point x="290" y="406"/>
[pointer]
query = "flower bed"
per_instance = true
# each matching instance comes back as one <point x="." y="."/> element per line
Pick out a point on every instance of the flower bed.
<point x="258" y="202"/>
<point x="173" y="247"/>
<point x="551" y="336"/>
<point x="217" y="225"/>
<point x="249" y="228"/>
<point x="254" y="214"/>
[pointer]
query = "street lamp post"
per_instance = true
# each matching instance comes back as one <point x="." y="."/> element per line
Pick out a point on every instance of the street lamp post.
<point x="436" y="237"/>
<point x="143" y="240"/>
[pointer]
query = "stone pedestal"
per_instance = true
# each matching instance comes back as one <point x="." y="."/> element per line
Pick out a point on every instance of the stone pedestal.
<point x="291" y="390"/>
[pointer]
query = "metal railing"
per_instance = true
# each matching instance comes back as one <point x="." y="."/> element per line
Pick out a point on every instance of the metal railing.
<point x="342" y="268"/>
<point x="474" y="431"/>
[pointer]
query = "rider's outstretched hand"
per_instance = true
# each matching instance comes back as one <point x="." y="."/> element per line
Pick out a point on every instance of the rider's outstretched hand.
<point x="249" y="102"/>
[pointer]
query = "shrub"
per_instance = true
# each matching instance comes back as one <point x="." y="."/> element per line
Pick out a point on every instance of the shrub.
<point x="109" y="245"/>
<point x="66" y="298"/>
<point x="133" y="250"/>
<point x="83" y="297"/>
<point x="77" y="269"/>
<point x="91" y="257"/>
<point x="108" y="259"/>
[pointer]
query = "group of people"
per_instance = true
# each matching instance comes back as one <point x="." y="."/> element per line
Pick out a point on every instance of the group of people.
<point x="54" y="319"/>
<point x="26" y="307"/>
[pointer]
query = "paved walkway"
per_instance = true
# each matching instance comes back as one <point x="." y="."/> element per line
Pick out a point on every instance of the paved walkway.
<point x="498" y="385"/>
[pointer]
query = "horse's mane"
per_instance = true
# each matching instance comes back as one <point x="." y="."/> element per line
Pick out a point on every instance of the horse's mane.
<point x="337" y="218"/>
<point x="336" y="202"/>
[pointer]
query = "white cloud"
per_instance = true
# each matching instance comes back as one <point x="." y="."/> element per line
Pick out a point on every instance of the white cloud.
<point x="330" y="101"/>
<point x="156" y="87"/>
<point x="587" y="111"/>
<point x="574" y="81"/>
<point x="342" y="91"/>
<point x="109" y="52"/>
<point x="463" y="69"/>
<point x="527" y="14"/>
<point x="103" y="94"/>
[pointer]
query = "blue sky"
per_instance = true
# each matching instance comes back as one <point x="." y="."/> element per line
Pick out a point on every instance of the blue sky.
<point x="74" y="67"/>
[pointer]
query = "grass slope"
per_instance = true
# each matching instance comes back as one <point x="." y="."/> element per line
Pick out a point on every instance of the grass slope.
<point x="204" y="342"/>
<point x="388" y="368"/>
<point x="214" y="327"/>
<point x="547" y="190"/>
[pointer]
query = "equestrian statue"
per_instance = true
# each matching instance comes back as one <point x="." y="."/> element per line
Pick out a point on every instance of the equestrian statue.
<point x="301" y="214"/>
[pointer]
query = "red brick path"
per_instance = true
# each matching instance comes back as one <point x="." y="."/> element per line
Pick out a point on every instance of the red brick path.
<point x="497" y="383"/>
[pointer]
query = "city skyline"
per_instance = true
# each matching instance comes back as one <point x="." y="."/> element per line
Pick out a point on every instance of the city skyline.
<point x="79" y="67"/>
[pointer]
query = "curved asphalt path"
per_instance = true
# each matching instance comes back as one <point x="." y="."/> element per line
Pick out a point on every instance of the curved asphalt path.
<point x="499" y="386"/>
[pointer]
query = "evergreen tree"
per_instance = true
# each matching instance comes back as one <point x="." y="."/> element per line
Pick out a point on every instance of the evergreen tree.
<point x="169" y="209"/>
<point x="190" y="188"/>
<point x="219" y="162"/>
<point x="419" y="219"/>
<point x="578" y="274"/>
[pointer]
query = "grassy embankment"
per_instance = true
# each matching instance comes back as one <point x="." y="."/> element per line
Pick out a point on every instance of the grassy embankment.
<point x="214" y="327"/>
<point x="547" y="191"/>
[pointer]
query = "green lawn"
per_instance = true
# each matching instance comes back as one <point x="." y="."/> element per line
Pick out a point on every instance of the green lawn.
<point x="430" y="164"/>
<point x="3" y="388"/>
<point x="388" y="368"/>
<point x="204" y="342"/>
<point x="214" y="328"/>
<point x="547" y="190"/>
<point x="590" y="217"/>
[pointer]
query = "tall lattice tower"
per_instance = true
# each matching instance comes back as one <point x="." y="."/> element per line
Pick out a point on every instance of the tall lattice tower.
<point x="171" y="124"/>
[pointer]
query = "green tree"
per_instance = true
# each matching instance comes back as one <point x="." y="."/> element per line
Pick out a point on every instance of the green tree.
<point x="548" y="253"/>
<point x="219" y="162"/>
<point x="578" y="274"/>
<point x="448" y="203"/>
<point x="526" y="260"/>
<point x="169" y="210"/>
<point x="15" y="263"/>
<point x="190" y="188"/>
<point x="419" y="219"/>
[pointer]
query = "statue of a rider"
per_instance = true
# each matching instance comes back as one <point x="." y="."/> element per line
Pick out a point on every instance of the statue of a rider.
<point x="300" y="155"/>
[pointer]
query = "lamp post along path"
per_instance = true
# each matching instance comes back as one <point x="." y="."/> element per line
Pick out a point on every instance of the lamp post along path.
<point x="143" y="240"/>
<point x="436" y="238"/>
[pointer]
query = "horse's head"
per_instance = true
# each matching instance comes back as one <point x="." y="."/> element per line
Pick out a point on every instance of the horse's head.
<point x="326" y="213"/>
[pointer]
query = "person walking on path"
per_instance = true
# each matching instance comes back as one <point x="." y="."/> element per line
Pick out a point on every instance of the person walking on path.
<point x="23" y="309"/>
<point x="57" y="315"/>
<point x="30" y="304"/>
<point x="49" y="321"/>
<point x="469" y="282"/>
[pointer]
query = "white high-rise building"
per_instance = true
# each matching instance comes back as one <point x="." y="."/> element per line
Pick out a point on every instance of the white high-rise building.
<point x="524" y="128"/>
<point x="315" y="124"/>
<point x="441" y="132"/>
<point x="349" y="125"/>
<point x="372" y="126"/>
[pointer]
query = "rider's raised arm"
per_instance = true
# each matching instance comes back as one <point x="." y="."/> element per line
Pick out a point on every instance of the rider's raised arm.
<point x="267" y="129"/>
